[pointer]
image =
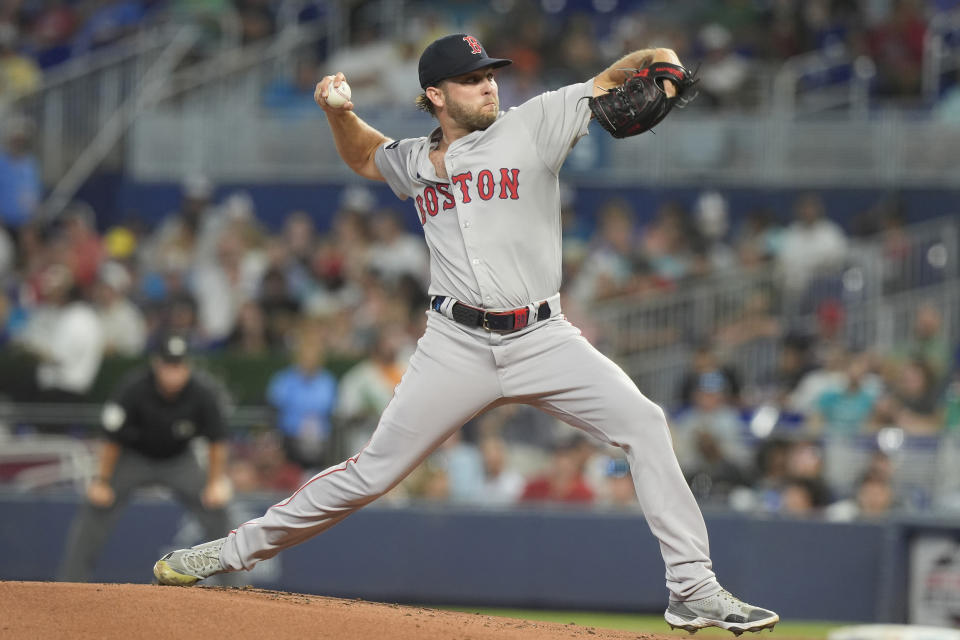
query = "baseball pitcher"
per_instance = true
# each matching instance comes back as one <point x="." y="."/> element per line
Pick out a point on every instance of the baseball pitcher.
<point x="484" y="186"/>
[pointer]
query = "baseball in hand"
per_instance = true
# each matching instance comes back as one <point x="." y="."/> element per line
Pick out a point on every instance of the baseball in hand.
<point x="339" y="95"/>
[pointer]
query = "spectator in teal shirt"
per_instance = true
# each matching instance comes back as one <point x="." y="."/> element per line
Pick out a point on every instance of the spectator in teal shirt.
<point x="845" y="411"/>
<point x="304" y="396"/>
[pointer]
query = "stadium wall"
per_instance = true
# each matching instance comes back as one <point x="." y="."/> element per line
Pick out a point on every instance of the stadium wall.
<point x="543" y="558"/>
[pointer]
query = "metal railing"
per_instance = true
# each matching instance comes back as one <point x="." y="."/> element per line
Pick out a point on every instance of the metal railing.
<point x="42" y="462"/>
<point x="923" y="467"/>
<point x="234" y="80"/>
<point x="86" y="105"/>
<point x="78" y="97"/>
<point x="758" y="151"/>
<point x="823" y="80"/>
<point x="87" y="416"/>
<point x="925" y="470"/>
<point x="52" y="445"/>
<point x="220" y="94"/>
<point x="652" y="336"/>
<point x="209" y="118"/>
<point x="106" y="138"/>
<point x="773" y="147"/>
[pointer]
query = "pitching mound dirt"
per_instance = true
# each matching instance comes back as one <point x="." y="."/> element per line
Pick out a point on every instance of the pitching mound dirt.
<point x="80" y="611"/>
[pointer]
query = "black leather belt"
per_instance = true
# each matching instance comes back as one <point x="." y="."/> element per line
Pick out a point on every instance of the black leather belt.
<point x="499" y="321"/>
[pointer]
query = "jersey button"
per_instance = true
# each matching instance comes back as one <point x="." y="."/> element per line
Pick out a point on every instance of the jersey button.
<point x="466" y="225"/>
<point x="476" y="261"/>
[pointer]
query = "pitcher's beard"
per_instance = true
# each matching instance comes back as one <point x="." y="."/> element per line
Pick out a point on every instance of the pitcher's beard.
<point x="477" y="120"/>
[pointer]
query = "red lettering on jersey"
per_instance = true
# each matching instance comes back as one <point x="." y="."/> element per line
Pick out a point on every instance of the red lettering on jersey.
<point x="430" y="195"/>
<point x="474" y="45"/>
<point x="509" y="179"/>
<point x="461" y="180"/>
<point x="485" y="186"/>
<point x="423" y="214"/>
<point x="448" y="201"/>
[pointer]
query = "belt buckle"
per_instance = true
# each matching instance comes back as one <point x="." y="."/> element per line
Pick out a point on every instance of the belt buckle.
<point x="483" y="322"/>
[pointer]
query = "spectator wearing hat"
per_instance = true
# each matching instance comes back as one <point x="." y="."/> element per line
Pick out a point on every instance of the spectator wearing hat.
<point x="706" y="360"/>
<point x="619" y="491"/>
<point x="148" y="426"/>
<point x="711" y="413"/>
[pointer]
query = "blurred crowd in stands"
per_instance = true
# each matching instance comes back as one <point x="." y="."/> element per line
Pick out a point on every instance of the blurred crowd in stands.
<point x="73" y="293"/>
<point x="738" y="44"/>
<point x="552" y="42"/>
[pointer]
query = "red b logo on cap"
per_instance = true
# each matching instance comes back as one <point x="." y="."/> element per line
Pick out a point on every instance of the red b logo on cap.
<point x="474" y="45"/>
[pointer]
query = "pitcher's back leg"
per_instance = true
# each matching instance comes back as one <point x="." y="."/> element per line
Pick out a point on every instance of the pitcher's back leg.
<point x="587" y="390"/>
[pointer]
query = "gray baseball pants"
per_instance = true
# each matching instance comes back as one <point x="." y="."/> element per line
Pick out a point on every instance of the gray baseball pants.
<point x="456" y="373"/>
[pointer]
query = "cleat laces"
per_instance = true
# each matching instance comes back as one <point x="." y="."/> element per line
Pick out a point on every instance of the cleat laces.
<point x="202" y="562"/>
<point x="732" y="599"/>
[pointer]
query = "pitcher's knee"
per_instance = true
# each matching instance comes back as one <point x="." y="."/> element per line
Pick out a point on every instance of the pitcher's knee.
<point x="643" y="412"/>
<point x="643" y="422"/>
<point x="369" y="488"/>
<point x="657" y="414"/>
<point x="658" y="420"/>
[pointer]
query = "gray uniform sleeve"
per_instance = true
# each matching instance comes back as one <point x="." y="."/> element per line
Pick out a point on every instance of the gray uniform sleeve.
<point x="397" y="163"/>
<point x="556" y="120"/>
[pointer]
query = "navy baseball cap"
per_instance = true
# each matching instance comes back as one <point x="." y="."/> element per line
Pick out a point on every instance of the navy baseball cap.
<point x="453" y="55"/>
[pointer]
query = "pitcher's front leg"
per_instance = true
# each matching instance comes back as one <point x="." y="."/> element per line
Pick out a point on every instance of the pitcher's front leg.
<point x="451" y="378"/>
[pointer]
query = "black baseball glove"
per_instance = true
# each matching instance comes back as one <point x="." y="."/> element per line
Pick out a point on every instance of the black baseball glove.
<point x="640" y="103"/>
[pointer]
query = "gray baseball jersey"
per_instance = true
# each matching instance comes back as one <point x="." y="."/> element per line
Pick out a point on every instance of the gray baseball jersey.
<point x="493" y="230"/>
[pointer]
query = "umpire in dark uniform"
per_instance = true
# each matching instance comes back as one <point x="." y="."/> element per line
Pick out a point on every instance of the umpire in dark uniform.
<point x="148" y="425"/>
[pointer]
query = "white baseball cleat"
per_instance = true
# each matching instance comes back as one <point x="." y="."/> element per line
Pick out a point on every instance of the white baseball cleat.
<point x="722" y="610"/>
<point x="184" y="567"/>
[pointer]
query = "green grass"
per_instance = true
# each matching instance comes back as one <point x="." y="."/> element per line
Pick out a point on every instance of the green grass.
<point x="653" y="623"/>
